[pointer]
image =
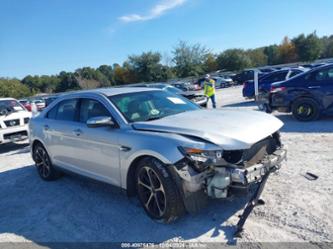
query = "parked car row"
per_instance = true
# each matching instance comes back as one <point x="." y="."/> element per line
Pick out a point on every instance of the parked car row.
<point x="307" y="95"/>
<point x="27" y="103"/>
<point x="266" y="80"/>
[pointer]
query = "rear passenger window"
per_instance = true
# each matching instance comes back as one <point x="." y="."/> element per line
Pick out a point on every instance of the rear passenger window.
<point x="294" y="73"/>
<point x="67" y="110"/>
<point x="91" y="108"/>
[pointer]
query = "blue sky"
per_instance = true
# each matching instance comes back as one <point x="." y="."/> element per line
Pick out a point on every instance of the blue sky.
<point x="48" y="36"/>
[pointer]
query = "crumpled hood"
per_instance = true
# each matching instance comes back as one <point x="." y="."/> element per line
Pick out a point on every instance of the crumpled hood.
<point x="230" y="129"/>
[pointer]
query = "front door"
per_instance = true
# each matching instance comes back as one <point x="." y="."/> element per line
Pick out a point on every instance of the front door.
<point x="97" y="151"/>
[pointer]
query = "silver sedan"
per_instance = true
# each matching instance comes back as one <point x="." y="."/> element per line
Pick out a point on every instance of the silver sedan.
<point x="157" y="145"/>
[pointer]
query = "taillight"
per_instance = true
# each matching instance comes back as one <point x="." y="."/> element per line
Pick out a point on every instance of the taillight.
<point x="277" y="89"/>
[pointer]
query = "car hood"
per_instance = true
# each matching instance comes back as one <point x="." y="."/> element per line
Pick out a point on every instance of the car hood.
<point x="15" y="115"/>
<point x="191" y="94"/>
<point x="230" y="129"/>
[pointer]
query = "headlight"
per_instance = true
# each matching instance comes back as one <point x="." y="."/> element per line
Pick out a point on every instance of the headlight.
<point x="201" y="159"/>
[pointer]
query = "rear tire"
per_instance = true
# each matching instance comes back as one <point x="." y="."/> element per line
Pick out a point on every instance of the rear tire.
<point x="305" y="109"/>
<point x="157" y="191"/>
<point x="43" y="164"/>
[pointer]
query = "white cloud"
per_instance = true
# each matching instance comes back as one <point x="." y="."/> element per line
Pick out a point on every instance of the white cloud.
<point x="154" y="12"/>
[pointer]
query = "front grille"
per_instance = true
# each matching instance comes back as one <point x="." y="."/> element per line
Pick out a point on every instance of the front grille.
<point x="15" y="135"/>
<point x="255" y="154"/>
<point x="11" y="123"/>
<point x="260" y="149"/>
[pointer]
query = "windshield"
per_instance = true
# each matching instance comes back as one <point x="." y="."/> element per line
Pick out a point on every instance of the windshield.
<point x="11" y="105"/>
<point x="151" y="105"/>
<point x="173" y="90"/>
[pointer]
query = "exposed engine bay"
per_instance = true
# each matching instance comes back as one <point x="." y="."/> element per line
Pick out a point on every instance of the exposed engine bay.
<point x="228" y="173"/>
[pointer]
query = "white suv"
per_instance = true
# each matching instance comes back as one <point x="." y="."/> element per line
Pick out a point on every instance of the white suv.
<point x="14" y="119"/>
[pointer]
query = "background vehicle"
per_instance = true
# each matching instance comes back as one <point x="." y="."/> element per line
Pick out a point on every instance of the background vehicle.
<point x="150" y="143"/>
<point x="246" y="75"/>
<point x="40" y="103"/>
<point x="14" y="119"/>
<point x="199" y="99"/>
<point x="222" y="81"/>
<point x="307" y="95"/>
<point x="184" y="86"/>
<point x="50" y="98"/>
<point x="265" y="81"/>
<point x="26" y="103"/>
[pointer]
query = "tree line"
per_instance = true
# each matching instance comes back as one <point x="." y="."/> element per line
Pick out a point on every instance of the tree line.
<point x="186" y="60"/>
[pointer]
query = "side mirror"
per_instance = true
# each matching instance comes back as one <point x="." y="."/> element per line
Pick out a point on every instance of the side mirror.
<point x="100" y="121"/>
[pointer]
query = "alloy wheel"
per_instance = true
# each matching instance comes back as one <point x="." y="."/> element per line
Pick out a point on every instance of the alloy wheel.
<point x="151" y="191"/>
<point x="304" y="110"/>
<point x="42" y="162"/>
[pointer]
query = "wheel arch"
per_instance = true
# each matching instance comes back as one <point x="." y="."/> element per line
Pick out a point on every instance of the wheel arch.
<point x="305" y="96"/>
<point x="130" y="175"/>
<point x="34" y="143"/>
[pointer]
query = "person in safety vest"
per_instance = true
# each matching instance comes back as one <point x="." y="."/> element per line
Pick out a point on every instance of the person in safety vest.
<point x="209" y="89"/>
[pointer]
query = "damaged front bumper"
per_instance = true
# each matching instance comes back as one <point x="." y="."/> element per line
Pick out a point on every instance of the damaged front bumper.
<point x="227" y="180"/>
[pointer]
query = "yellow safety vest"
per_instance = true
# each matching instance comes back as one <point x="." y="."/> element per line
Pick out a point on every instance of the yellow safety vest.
<point x="209" y="88"/>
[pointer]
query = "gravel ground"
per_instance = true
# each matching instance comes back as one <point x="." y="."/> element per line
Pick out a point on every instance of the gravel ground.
<point x="74" y="209"/>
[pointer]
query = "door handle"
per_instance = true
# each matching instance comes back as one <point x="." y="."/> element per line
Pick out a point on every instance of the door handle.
<point x="125" y="148"/>
<point x="314" y="87"/>
<point x="46" y="127"/>
<point x="77" y="132"/>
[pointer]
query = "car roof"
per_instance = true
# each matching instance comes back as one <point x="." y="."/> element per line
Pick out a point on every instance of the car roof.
<point x="111" y="91"/>
<point x="7" y="99"/>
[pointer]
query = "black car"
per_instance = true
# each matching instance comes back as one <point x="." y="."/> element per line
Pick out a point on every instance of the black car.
<point x="307" y="95"/>
<point x="199" y="99"/>
<point x="246" y="75"/>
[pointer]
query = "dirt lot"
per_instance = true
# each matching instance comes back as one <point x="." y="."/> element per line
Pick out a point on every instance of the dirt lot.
<point x="76" y="209"/>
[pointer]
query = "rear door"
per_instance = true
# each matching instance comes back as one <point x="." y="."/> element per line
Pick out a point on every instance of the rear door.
<point x="321" y="86"/>
<point x="58" y="130"/>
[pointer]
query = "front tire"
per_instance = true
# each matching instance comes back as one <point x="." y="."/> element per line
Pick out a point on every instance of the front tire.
<point x="43" y="164"/>
<point x="305" y="109"/>
<point x="157" y="191"/>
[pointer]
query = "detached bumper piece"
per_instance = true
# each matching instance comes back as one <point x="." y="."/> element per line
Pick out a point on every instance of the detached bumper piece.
<point x="251" y="174"/>
<point x="250" y="206"/>
<point x="269" y="166"/>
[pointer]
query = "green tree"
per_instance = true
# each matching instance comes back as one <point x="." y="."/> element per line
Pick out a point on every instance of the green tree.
<point x="123" y="75"/>
<point x="287" y="51"/>
<point x="146" y="67"/>
<point x="327" y="43"/>
<point x="233" y="60"/>
<point x="13" y="88"/>
<point x="257" y="56"/>
<point x="68" y="82"/>
<point x="308" y="48"/>
<point x="189" y="59"/>
<point x="107" y="71"/>
<point x="210" y="64"/>
<point x="272" y="53"/>
<point x="91" y="78"/>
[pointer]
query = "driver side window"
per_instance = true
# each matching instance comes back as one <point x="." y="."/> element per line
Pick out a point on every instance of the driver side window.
<point x="91" y="108"/>
<point x="324" y="75"/>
